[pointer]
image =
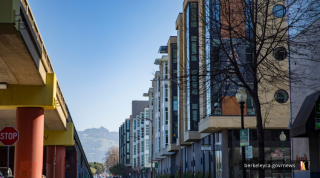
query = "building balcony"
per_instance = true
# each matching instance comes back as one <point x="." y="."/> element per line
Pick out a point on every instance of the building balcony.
<point x="183" y="143"/>
<point x="172" y="147"/>
<point x="164" y="152"/>
<point x="158" y="156"/>
<point x="192" y="136"/>
<point x="213" y="124"/>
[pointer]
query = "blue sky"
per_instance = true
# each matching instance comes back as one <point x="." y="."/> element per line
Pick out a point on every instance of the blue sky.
<point x="103" y="52"/>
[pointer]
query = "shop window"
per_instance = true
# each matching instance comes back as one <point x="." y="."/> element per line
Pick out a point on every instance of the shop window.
<point x="267" y="135"/>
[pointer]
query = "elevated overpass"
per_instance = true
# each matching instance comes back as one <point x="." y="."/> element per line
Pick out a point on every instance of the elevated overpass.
<point x="31" y="100"/>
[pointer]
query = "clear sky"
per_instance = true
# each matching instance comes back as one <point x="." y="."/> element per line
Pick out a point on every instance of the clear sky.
<point x="103" y="52"/>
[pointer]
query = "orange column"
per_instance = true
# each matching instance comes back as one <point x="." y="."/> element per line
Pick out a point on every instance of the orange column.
<point x="56" y="170"/>
<point x="29" y="148"/>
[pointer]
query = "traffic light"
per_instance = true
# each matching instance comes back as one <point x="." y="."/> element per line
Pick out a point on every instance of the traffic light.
<point x="94" y="163"/>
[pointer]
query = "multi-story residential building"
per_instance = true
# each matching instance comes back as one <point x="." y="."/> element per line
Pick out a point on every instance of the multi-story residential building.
<point x="190" y="111"/>
<point x="134" y="136"/>
<point x="124" y="143"/>
<point x="205" y="116"/>
<point x="141" y="142"/>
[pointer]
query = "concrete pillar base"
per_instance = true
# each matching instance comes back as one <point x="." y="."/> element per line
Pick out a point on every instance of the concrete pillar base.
<point x="56" y="168"/>
<point x="29" y="148"/>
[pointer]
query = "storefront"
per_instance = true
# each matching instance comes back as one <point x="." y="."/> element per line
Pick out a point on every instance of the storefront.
<point x="305" y="137"/>
<point x="272" y="144"/>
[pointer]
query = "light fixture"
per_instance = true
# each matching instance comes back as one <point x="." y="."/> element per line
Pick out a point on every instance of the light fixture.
<point x="282" y="137"/>
<point x="3" y="86"/>
<point x="241" y="95"/>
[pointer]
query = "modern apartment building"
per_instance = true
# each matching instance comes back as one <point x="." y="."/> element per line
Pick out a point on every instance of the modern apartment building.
<point x="124" y="142"/>
<point x="190" y="108"/>
<point x="141" y="142"/>
<point x="206" y="117"/>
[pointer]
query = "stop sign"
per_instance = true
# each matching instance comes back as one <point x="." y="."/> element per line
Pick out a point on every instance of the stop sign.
<point x="9" y="136"/>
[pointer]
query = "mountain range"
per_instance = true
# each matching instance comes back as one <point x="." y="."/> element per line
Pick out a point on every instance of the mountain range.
<point x="97" y="141"/>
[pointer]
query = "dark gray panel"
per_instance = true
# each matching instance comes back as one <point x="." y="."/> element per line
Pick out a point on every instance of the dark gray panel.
<point x="138" y="106"/>
<point x="30" y="38"/>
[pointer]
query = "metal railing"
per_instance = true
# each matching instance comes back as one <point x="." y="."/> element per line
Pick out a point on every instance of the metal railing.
<point x="45" y="57"/>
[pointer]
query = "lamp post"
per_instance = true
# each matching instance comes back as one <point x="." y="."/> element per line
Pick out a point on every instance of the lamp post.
<point x="241" y="98"/>
<point x="282" y="139"/>
<point x="179" y="125"/>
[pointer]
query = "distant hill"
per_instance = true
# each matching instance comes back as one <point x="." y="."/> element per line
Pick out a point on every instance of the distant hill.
<point x="97" y="141"/>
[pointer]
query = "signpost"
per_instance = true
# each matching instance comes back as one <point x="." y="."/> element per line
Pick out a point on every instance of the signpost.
<point x="8" y="137"/>
<point x="244" y="137"/>
<point x="249" y="151"/>
<point x="206" y="147"/>
<point x="143" y="169"/>
<point x="317" y="118"/>
<point x="156" y="165"/>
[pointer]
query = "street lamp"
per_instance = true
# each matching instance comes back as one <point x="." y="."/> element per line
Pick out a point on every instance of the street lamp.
<point x="179" y="125"/>
<point x="282" y="139"/>
<point x="241" y="98"/>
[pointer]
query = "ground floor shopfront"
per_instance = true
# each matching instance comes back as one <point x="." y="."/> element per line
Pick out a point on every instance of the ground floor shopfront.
<point x="224" y="159"/>
<point x="306" y="137"/>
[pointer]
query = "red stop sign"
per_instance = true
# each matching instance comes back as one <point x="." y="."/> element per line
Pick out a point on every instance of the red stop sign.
<point x="9" y="136"/>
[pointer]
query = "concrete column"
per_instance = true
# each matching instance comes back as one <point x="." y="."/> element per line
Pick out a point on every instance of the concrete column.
<point x="225" y="154"/>
<point x="57" y="170"/>
<point x="29" y="148"/>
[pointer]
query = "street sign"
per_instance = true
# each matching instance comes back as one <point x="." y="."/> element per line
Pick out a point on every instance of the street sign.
<point x="244" y="137"/>
<point x="143" y="169"/>
<point x="9" y="136"/>
<point x="276" y="154"/>
<point x="206" y="147"/>
<point x="317" y="118"/>
<point x="249" y="151"/>
<point x="156" y="165"/>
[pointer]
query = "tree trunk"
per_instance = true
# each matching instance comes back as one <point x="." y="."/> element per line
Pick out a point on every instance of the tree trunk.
<point x="260" y="135"/>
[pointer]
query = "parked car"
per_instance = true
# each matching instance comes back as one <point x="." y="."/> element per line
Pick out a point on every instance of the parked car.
<point x="3" y="171"/>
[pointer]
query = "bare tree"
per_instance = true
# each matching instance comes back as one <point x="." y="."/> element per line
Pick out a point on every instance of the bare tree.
<point x="112" y="156"/>
<point x="245" y="43"/>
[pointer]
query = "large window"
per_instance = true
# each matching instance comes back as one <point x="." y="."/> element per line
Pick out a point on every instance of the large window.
<point x="142" y="160"/>
<point x="174" y="89"/>
<point x="128" y="136"/>
<point x="128" y="125"/>
<point x="167" y="115"/>
<point x="128" y="147"/>
<point x="128" y="159"/>
<point x="147" y="129"/>
<point x="147" y="144"/>
<point x="142" y="146"/>
<point x="147" y="162"/>
<point x="166" y="92"/>
<point x="134" y="149"/>
<point x="147" y="113"/>
<point x="192" y="65"/>
<point x="142" y="132"/>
